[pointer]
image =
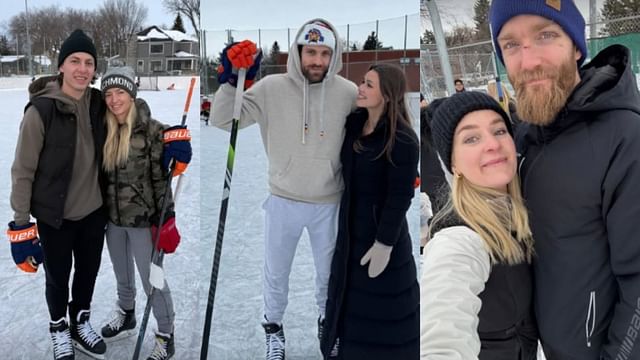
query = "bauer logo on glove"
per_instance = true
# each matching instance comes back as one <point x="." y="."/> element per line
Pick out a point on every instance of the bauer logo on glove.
<point x="177" y="147"/>
<point x="176" y="134"/>
<point x="25" y="246"/>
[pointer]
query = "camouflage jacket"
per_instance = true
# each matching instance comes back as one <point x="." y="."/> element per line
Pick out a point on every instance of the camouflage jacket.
<point x="135" y="191"/>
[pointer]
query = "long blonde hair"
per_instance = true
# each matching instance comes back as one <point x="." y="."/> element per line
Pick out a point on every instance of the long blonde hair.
<point x="116" y="146"/>
<point x="500" y="219"/>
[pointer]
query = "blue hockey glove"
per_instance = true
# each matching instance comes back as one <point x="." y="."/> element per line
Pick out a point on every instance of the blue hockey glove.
<point x="177" y="146"/>
<point x="25" y="246"/>
<point x="236" y="56"/>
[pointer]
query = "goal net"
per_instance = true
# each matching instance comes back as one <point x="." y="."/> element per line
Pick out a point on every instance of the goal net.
<point x="148" y="83"/>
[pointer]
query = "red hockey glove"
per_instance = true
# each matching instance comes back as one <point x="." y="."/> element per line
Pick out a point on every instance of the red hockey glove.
<point x="169" y="236"/>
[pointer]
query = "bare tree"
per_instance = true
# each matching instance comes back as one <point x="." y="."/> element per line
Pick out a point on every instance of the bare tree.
<point x="189" y="8"/>
<point x="48" y="28"/>
<point x="119" y="20"/>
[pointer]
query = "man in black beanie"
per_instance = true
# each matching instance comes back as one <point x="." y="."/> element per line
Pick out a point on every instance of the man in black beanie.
<point x="57" y="179"/>
<point x="580" y="174"/>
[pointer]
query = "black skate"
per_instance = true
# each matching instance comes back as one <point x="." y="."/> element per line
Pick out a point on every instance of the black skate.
<point x="85" y="338"/>
<point x="165" y="347"/>
<point x="122" y="325"/>
<point x="61" y="339"/>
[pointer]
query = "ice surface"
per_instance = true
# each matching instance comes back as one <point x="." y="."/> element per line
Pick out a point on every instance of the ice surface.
<point x="23" y="311"/>
<point x="237" y="333"/>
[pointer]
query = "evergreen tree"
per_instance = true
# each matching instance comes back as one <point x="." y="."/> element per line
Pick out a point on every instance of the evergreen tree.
<point x="428" y="37"/>
<point x="5" y="49"/>
<point x="481" y="19"/>
<point x="178" y="25"/>
<point x="275" y="52"/>
<point x="372" y="42"/>
<point x="615" y="9"/>
<point x="270" y="61"/>
<point x="354" y="47"/>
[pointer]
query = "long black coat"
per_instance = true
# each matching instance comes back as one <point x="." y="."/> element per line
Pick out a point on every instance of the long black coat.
<point x="374" y="318"/>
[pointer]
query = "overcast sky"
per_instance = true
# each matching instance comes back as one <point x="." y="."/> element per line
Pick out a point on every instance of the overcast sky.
<point x="273" y="16"/>
<point x="156" y="15"/>
<point x="455" y="12"/>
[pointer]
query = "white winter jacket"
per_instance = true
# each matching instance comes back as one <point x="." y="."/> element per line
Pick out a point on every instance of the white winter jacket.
<point x="456" y="266"/>
<point x="303" y="165"/>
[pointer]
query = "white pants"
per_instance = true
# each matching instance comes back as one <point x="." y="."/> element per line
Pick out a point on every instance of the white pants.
<point x="284" y="221"/>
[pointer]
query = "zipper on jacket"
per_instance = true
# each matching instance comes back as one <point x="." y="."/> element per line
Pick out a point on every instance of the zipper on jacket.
<point x="590" y="323"/>
<point x="520" y="163"/>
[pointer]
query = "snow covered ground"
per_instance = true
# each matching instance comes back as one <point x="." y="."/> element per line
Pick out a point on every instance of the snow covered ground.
<point x="23" y="311"/>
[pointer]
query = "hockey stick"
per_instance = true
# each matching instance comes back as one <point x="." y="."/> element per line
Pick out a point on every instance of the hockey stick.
<point x="156" y="273"/>
<point x="237" y="107"/>
<point x="157" y="256"/>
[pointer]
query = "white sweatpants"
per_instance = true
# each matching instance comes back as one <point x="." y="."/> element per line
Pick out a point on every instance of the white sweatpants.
<point x="284" y="221"/>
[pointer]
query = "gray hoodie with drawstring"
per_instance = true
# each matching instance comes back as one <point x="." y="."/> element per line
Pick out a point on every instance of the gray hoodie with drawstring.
<point x="303" y="165"/>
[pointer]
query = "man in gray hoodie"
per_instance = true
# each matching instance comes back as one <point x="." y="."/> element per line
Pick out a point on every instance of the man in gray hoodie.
<point x="56" y="178"/>
<point x="301" y="115"/>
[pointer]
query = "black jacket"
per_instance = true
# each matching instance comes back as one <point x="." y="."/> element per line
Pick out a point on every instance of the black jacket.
<point x="53" y="174"/>
<point x="506" y="326"/>
<point x="581" y="180"/>
<point x="375" y="318"/>
<point x="432" y="179"/>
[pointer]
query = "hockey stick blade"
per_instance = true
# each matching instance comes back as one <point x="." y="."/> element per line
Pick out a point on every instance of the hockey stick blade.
<point x="156" y="276"/>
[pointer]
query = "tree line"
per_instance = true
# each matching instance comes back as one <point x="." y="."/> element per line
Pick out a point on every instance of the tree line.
<point x="610" y="11"/>
<point x="111" y="26"/>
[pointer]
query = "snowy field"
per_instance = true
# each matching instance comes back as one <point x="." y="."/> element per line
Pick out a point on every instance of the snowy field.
<point x="23" y="312"/>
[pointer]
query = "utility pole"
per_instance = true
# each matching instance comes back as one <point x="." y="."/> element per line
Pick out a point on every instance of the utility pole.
<point x="593" y="14"/>
<point x="442" y="46"/>
<point x="29" y="62"/>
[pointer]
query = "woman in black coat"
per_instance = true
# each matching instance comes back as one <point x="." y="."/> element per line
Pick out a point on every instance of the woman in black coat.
<point x="373" y="300"/>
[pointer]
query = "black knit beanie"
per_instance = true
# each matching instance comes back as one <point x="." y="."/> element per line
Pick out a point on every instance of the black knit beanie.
<point x="448" y="113"/>
<point x="78" y="41"/>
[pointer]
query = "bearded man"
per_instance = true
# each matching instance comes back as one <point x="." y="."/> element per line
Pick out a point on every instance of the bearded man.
<point x="580" y="172"/>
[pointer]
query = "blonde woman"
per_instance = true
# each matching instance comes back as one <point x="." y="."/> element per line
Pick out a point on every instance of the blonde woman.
<point x="133" y="161"/>
<point x="476" y="286"/>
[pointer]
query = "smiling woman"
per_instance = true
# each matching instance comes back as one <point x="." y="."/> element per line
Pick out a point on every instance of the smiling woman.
<point x="476" y="286"/>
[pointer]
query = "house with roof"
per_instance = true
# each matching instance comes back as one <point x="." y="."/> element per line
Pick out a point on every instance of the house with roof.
<point x="163" y="52"/>
<point x="19" y="65"/>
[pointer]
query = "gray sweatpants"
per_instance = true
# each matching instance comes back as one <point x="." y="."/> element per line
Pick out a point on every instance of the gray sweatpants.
<point x="126" y="244"/>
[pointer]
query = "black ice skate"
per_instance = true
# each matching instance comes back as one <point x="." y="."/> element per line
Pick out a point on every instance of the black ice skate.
<point x="274" y="334"/>
<point x="165" y="347"/>
<point x="122" y="325"/>
<point x="61" y="339"/>
<point x="85" y="338"/>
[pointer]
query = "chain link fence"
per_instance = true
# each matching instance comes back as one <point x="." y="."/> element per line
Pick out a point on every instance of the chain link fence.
<point x="475" y="63"/>
<point x="397" y="37"/>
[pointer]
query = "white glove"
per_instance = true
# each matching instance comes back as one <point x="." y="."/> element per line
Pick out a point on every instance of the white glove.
<point x="378" y="257"/>
<point x="425" y="214"/>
